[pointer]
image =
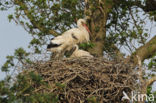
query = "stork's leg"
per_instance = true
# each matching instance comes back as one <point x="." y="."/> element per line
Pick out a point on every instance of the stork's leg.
<point x="54" y="55"/>
<point x="60" y="52"/>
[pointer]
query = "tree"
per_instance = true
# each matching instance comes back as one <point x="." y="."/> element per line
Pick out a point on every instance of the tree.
<point x="114" y="25"/>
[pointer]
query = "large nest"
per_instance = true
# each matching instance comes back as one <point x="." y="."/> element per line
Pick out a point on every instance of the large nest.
<point x="85" y="80"/>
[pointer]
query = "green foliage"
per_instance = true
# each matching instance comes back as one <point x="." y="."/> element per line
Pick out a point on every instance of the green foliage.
<point x="149" y="91"/>
<point x="21" y="90"/>
<point x="108" y="2"/>
<point x="97" y="29"/>
<point x="19" y="55"/>
<point x="8" y="64"/>
<point x="152" y="64"/>
<point x="35" y="41"/>
<point x="85" y="46"/>
<point x="42" y="98"/>
<point x="10" y="17"/>
<point x="35" y="78"/>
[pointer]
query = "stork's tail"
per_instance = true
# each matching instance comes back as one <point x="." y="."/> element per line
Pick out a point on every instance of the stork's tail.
<point x="55" y="42"/>
<point x="51" y="45"/>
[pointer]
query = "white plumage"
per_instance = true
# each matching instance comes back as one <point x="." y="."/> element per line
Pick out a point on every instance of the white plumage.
<point x="69" y="38"/>
<point x="80" y="53"/>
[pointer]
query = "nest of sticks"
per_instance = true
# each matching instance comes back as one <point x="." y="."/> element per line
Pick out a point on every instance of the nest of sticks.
<point x="85" y="80"/>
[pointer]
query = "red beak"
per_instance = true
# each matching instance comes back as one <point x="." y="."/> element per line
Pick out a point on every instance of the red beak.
<point x="86" y="28"/>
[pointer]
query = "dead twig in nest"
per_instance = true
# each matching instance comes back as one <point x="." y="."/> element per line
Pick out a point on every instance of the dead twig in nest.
<point x="76" y="80"/>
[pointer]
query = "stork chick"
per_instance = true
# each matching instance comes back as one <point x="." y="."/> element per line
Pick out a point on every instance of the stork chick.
<point x="80" y="53"/>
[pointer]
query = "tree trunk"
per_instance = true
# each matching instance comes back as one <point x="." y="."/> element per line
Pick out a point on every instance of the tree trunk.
<point x="98" y="18"/>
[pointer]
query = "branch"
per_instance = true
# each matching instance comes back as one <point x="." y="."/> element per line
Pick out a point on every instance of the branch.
<point x="147" y="83"/>
<point x="137" y="26"/>
<point x="140" y="71"/>
<point x="144" y="83"/>
<point x="146" y="51"/>
<point x="151" y="81"/>
<point x="53" y="32"/>
<point x="30" y="17"/>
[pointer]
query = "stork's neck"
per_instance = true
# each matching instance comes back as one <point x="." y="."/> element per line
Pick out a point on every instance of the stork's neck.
<point x="79" y="25"/>
<point x="77" y="48"/>
<point x="82" y="27"/>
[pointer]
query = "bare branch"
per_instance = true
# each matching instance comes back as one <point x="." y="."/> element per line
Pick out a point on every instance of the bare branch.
<point x="140" y="71"/>
<point x="147" y="83"/>
<point x="137" y="26"/>
<point x="151" y="81"/>
<point x="146" y="51"/>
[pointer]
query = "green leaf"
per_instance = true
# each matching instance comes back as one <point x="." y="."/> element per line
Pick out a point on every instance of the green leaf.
<point x="10" y="17"/>
<point x="35" y="41"/>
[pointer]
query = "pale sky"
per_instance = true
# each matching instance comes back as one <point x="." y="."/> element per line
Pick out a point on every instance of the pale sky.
<point x="12" y="36"/>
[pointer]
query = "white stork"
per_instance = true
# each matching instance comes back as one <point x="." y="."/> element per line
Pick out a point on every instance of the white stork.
<point x="69" y="38"/>
<point x="80" y="53"/>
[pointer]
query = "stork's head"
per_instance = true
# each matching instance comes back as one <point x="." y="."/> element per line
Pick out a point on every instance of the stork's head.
<point x="82" y="23"/>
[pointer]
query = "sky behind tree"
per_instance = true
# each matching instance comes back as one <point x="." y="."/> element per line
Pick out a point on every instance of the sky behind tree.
<point x="12" y="36"/>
